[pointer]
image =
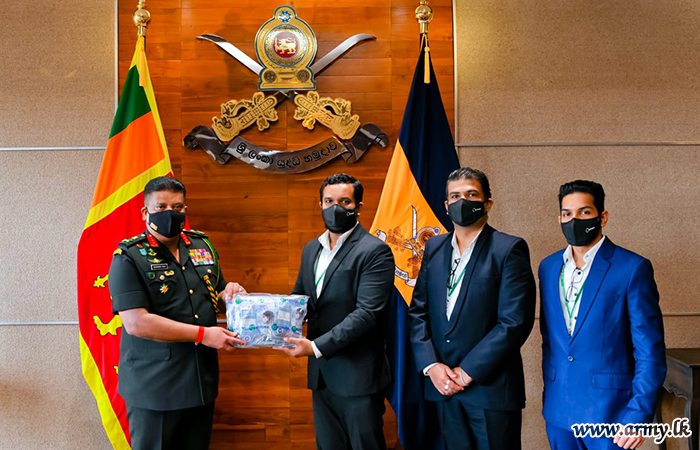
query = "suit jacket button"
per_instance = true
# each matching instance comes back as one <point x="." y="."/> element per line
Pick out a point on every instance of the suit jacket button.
<point x="447" y="340"/>
<point x="191" y="292"/>
<point x="571" y="358"/>
<point x="196" y="316"/>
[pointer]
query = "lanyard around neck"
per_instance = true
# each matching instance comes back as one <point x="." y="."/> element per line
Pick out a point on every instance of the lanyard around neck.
<point x="320" y="277"/>
<point x="569" y="312"/>
<point x="457" y="281"/>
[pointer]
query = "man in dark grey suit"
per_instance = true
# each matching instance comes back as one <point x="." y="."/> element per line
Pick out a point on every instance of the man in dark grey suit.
<point x="348" y="275"/>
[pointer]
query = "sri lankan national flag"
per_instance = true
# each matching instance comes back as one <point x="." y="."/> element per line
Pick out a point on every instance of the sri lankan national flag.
<point x="136" y="152"/>
<point x="411" y="210"/>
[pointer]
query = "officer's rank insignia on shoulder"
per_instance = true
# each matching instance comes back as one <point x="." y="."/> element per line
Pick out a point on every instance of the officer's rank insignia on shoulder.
<point x="134" y="240"/>
<point x="195" y="233"/>
<point x="201" y="257"/>
<point x="117" y="252"/>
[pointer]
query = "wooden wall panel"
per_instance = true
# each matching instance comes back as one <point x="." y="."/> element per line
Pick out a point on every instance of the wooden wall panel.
<point x="258" y="221"/>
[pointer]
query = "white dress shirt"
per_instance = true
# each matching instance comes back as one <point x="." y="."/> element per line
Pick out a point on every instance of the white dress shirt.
<point x="574" y="283"/>
<point x="323" y="261"/>
<point x="456" y="277"/>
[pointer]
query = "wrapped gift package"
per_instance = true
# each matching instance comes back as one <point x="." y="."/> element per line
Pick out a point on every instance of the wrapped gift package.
<point x="264" y="320"/>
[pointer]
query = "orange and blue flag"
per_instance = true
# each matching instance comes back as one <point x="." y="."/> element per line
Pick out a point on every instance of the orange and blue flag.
<point x="136" y="152"/>
<point x="411" y="211"/>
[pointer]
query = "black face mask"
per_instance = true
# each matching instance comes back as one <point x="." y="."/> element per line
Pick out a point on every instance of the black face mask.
<point x="168" y="223"/>
<point x="466" y="212"/>
<point x="581" y="232"/>
<point x="339" y="219"/>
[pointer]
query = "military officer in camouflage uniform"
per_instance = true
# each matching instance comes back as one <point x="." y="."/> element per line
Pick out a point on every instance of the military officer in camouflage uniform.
<point x="165" y="285"/>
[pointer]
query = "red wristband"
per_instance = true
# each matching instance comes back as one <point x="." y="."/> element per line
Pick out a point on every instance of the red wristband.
<point x="200" y="335"/>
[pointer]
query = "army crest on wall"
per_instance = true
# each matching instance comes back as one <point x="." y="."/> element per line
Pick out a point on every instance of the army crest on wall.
<point x="286" y="47"/>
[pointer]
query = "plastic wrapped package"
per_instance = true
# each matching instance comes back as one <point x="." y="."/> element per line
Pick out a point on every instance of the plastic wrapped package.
<point x="264" y="320"/>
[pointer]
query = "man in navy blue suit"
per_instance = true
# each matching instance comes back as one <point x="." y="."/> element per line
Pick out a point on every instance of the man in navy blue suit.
<point x="473" y="308"/>
<point x="602" y="331"/>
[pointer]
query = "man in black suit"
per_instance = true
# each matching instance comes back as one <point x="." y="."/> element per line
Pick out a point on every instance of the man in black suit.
<point x="349" y="276"/>
<point x="473" y="308"/>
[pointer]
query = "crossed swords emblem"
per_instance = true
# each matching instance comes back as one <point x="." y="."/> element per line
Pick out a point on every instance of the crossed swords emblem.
<point x="356" y="142"/>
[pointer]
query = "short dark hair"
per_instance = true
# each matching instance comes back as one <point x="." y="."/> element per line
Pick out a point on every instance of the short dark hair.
<point x="467" y="173"/>
<point x="344" y="178"/>
<point x="587" y="187"/>
<point x="159" y="184"/>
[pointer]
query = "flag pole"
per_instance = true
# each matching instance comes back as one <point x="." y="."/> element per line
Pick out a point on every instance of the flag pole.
<point x="141" y="18"/>
<point x="424" y="14"/>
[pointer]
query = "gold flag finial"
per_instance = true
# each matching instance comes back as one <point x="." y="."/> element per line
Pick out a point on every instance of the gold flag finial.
<point x="141" y="18"/>
<point x="424" y="14"/>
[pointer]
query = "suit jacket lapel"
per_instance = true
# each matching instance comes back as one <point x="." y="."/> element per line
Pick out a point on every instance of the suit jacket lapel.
<point x="593" y="281"/>
<point x="552" y="291"/>
<point x="443" y="260"/>
<point x="342" y="252"/>
<point x="481" y="243"/>
<point x="309" y="275"/>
